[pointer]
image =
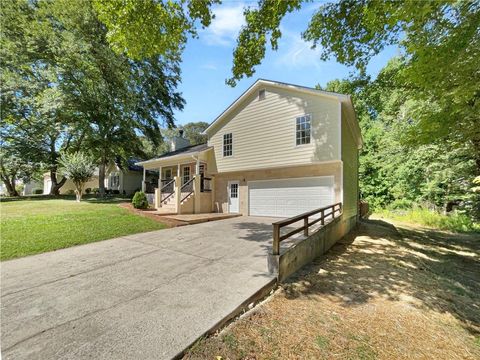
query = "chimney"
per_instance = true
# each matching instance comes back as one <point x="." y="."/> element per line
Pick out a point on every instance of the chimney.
<point x="179" y="142"/>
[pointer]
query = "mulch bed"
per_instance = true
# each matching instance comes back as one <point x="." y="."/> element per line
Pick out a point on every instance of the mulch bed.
<point x="150" y="213"/>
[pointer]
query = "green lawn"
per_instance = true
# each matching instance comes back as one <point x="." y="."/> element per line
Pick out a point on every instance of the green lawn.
<point x="35" y="226"/>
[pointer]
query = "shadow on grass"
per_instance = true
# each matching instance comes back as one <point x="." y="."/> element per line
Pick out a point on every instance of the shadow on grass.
<point x="432" y="269"/>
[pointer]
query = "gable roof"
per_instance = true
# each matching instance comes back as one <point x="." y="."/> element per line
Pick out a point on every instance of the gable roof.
<point x="344" y="99"/>
<point x="188" y="150"/>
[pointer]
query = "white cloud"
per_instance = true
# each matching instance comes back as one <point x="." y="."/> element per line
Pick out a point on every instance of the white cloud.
<point x="225" y="27"/>
<point x="294" y="52"/>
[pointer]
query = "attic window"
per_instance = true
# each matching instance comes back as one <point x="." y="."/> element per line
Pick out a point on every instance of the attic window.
<point x="261" y="94"/>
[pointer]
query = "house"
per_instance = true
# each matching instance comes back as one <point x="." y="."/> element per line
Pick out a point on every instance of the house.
<point x="278" y="150"/>
<point x="119" y="178"/>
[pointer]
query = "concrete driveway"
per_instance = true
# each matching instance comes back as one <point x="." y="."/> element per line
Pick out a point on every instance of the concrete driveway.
<point x="143" y="296"/>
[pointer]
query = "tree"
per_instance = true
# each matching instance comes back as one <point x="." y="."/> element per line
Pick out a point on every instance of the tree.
<point x="193" y="132"/>
<point x="440" y="41"/>
<point x="79" y="168"/>
<point x="66" y="89"/>
<point x="151" y="28"/>
<point x="12" y="168"/>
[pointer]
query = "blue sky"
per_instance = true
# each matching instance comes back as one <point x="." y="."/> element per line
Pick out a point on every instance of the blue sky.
<point x="207" y="62"/>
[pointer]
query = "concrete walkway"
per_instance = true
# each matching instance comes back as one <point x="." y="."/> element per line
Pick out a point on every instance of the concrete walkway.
<point x="143" y="296"/>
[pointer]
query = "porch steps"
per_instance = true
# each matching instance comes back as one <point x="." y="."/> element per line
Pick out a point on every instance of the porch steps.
<point x="169" y="207"/>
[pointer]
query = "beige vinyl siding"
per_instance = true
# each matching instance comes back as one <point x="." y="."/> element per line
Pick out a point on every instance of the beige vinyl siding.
<point x="243" y="177"/>
<point x="350" y="170"/>
<point x="264" y="131"/>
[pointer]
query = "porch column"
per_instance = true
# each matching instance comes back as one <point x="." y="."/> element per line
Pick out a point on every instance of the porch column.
<point x="178" y="194"/>
<point x="196" y="195"/>
<point x="178" y="171"/>
<point x="144" y="185"/>
<point x="197" y="167"/>
<point x="159" y="188"/>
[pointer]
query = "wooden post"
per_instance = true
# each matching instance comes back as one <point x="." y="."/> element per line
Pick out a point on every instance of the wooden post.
<point x="178" y="194"/>
<point x="144" y="185"/>
<point x="322" y="216"/>
<point x="276" y="240"/>
<point x="196" y="194"/>
<point x="305" y="226"/>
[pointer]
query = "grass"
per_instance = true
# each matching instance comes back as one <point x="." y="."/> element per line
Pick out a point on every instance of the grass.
<point x="34" y="226"/>
<point x="454" y="222"/>
<point x="385" y="292"/>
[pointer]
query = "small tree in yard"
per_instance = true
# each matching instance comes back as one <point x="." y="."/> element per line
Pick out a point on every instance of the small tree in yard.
<point x="79" y="168"/>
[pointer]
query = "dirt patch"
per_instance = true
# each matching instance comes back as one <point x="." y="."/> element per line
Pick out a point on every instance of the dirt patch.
<point x="385" y="292"/>
<point x="150" y="213"/>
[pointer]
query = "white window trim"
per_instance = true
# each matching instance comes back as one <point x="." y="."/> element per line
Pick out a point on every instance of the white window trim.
<point x="295" y="131"/>
<point x="183" y="174"/>
<point x="223" y="145"/>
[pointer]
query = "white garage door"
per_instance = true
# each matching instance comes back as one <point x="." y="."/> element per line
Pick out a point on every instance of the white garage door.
<point x="289" y="197"/>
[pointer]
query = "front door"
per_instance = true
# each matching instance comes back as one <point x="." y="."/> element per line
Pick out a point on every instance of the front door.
<point x="232" y="190"/>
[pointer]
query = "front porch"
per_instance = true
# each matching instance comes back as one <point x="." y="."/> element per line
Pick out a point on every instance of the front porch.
<point x="184" y="185"/>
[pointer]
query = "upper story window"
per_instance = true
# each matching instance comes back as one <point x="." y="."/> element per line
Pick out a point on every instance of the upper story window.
<point x="227" y="144"/>
<point x="303" y="130"/>
<point x="261" y="94"/>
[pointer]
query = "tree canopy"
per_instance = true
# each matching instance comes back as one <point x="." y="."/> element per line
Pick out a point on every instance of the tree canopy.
<point x="65" y="87"/>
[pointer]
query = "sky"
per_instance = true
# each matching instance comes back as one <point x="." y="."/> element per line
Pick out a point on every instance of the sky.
<point x="207" y="62"/>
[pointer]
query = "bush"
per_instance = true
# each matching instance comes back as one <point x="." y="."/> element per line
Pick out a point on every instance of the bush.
<point x="70" y="192"/>
<point x="38" y="191"/>
<point x="88" y="190"/>
<point x="139" y="200"/>
<point x="400" y="204"/>
<point x="116" y="192"/>
<point x="95" y="190"/>
<point x="454" y="221"/>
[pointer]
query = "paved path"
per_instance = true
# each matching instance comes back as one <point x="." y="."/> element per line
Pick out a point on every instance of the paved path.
<point x="143" y="296"/>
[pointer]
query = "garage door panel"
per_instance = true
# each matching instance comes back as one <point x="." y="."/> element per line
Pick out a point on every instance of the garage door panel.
<point x="289" y="197"/>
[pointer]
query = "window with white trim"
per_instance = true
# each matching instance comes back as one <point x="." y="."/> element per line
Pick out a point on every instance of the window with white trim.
<point x="227" y="144"/>
<point x="114" y="180"/>
<point x="303" y="129"/>
<point x="186" y="174"/>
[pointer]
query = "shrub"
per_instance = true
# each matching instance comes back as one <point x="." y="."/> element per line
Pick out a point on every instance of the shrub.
<point x="38" y="191"/>
<point x="70" y="192"/>
<point x="95" y="190"/>
<point x="139" y="200"/>
<point x="116" y="192"/>
<point x="88" y="190"/>
<point x="454" y="221"/>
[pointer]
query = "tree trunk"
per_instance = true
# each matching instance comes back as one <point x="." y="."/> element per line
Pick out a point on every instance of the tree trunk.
<point x="55" y="189"/>
<point x="10" y="185"/>
<point x="101" y="179"/>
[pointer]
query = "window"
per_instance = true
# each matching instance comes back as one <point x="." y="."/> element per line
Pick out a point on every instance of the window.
<point x="114" y="180"/>
<point x="261" y="94"/>
<point x="227" y="144"/>
<point x="186" y="174"/>
<point x="302" y="133"/>
<point x="233" y="191"/>
<point x="202" y="169"/>
<point x="168" y="174"/>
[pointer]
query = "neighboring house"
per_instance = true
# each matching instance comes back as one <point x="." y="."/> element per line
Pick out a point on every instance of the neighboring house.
<point x="31" y="187"/>
<point x="118" y="178"/>
<point x="279" y="150"/>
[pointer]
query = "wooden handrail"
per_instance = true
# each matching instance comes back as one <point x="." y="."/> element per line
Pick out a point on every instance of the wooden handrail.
<point x="184" y="185"/>
<point x="277" y="238"/>
<point x="167" y="184"/>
